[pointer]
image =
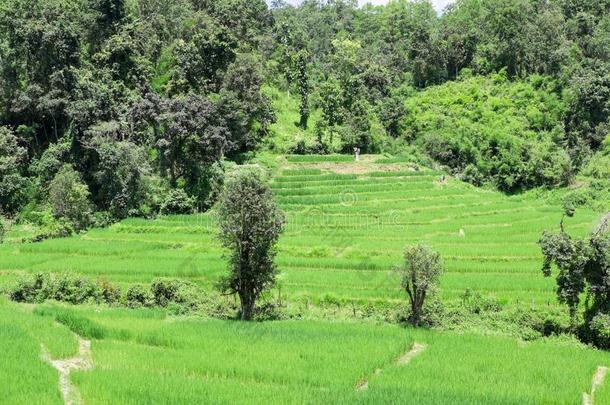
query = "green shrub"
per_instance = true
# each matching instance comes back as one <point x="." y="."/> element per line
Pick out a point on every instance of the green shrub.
<point x="269" y="311"/>
<point x="69" y="198"/>
<point x="110" y="293"/>
<point x="102" y="219"/>
<point x="40" y="287"/>
<point x="499" y="131"/>
<point x="599" y="166"/>
<point x="600" y="330"/>
<point x="544" y="321"/>
<point x="48" y="226"/>
<point x="475" y="303"/>
<point x="165" y="291"/>
<point x="138" y="296"/>
<point x="302" y="148"/>
<point x="28" y="288"/>
<point x="178" y="202"/>
<point x="72" y="289"/>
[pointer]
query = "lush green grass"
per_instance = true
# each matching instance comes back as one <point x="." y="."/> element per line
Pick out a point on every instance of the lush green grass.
<point x="286" y="130"/>
<point x="24" y="377"/>
<point x="471" y="369"/>
<point x="193" y="361"/>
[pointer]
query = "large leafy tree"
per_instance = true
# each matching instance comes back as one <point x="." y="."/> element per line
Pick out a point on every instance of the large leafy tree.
<point x="41" y="48"/>
<point x="250" y="223"/>
<point x="583" y="266"/>
<point x="244" y="108"/>
<point x="13" y="183"/>
<point x="205" y="50"/>
<point x="192" y="133"/>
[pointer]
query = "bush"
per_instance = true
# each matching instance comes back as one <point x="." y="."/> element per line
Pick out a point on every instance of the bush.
<point x="28" y="288"/>
<point x="69" y="198"/>
<point x="599" y="166"/>
<point x="48" y="226"/>
<point x="64" y="287"/>
<point x="110" y="293"/>
<point x="541" y="321"/>
<point x="138" y="296"/>
<point x="73" y="289"/>
<point x="500" y="131"/>
<point x="475" y="303"/>
<point x="302" y="148"/>
<point x="166" y="290"/>
<point x="102" y="219"/>
<point x="50" y="162"/>
<point x="599" y="330"/>
<point x="269" y="311"/>
<point x="178" y="296"/>
<point x="178" y="202"/>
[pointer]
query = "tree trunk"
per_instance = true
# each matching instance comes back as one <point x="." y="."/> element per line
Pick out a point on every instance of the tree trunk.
<point x="247" y="306"/>
<point x="303" y="121"/>
<point x="415" y="315"/>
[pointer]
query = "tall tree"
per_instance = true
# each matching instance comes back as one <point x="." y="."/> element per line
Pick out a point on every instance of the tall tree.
<point x="419" y="276"/>
<point x="301" y="62"/>
<point x="250" y="224"/>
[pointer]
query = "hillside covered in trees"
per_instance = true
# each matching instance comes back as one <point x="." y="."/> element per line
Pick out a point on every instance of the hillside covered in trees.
<point x="116" y="108"/>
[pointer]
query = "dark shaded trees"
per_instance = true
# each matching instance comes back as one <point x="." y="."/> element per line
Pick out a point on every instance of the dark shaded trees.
<point x="13" y="165"/>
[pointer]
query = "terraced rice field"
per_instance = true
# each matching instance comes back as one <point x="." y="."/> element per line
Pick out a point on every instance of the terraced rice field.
<point x="142" y="356"/>
<point x="347" y="225"/>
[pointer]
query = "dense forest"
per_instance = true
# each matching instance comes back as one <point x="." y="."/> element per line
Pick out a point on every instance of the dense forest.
<point x="116" y="108"/>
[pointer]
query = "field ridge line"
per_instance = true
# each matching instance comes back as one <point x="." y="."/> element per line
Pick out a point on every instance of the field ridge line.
<point x="404" y="359"/>
<point x="596" y="381"/>
<point x="82" y="361"/>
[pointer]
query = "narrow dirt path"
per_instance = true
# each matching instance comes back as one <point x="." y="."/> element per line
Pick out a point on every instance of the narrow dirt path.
<point x="416" y="349"/>
<point x="596" y="381"/>
<point x="82" y="361"/>
<point x="404" y="359"/>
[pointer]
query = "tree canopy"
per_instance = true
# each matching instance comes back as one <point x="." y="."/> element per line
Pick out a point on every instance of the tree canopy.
<point x="145" y="97"/>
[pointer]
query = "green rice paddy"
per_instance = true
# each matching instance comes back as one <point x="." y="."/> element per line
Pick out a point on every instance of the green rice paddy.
<point x="142" y="356"/>
<point x="345" y="232"/>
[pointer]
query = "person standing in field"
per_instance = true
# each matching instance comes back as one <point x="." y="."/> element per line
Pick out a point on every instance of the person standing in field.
<point x="357" y="154"/>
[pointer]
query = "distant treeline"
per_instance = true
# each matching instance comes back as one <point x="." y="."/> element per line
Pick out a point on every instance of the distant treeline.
<point x="131" y="107"/>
